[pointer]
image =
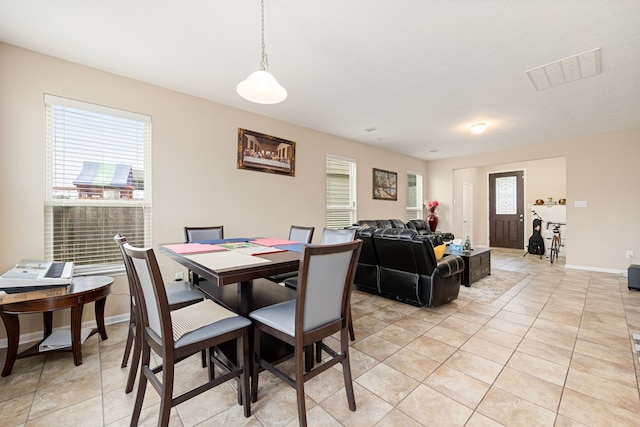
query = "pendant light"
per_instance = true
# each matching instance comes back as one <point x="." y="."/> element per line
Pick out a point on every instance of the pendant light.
<point x="261" y="87"/>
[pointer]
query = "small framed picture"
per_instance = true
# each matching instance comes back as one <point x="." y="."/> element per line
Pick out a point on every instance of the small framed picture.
<point x="265" y="153"/>
<point x="385" y="185"/>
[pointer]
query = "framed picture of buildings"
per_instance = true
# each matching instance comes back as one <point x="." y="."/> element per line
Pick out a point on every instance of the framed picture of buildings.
<point x="385" y="185"/>
<point x="265" y="153"/>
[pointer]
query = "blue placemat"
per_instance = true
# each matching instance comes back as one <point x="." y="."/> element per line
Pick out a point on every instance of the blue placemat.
<point x="294" y="247"/>
<point x="218" y="241"/>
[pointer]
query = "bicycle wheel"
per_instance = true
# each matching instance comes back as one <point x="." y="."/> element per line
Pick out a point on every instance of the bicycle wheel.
<point x="553" y="253"/>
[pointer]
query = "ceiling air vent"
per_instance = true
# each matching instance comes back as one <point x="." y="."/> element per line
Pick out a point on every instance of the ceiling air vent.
<point x="581" y="66"/>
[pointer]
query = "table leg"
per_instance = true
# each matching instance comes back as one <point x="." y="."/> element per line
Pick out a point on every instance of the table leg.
<point x="47" y="321"/>
<point x="99" y="306"/>
<point x="12" y="325"/>
<point x="244" y="295"/>
<point x="76" y="328"/>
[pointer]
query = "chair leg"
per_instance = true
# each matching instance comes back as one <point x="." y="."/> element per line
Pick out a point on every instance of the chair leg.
<point x="352" y="333"/>
<point x="212" y="367"/>
<point x="166" y="397"/>
<point x="255" y="365"/>
<point x="204" y="358"/>
<point x="243" y="381"/>
<point x="135" y="358"/>
<point x="299" y="354"/>
<point x="346" y="371"/>
<point x="127" y="348"/>
<point x="142" y="386"/>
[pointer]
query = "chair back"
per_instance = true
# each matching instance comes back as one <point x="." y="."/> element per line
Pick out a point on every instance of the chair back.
<point x="128" y="268"/>
<point x="301" y="234"/>
<point x="324" y="285"/>
<point x="195" y="234"/>
<point x="331" y="236"/>
<point x="151" y="297"/>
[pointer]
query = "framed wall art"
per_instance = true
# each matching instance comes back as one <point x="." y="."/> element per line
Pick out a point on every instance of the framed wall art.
<point x="385" y="185"/>
<point x="265" y="153"/>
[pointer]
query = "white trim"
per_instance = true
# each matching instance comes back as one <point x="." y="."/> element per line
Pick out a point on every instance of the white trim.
<point x="95" y="108"/>
<point x="596" y="269"/>
<point x="346" y="159"/>
<point x="37" y="336"/>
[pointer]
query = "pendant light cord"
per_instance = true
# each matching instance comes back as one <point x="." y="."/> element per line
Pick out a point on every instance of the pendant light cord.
<point x="264" y="63"/>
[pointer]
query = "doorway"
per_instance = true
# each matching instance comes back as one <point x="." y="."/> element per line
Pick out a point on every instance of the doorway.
<point x="506" y="209"/>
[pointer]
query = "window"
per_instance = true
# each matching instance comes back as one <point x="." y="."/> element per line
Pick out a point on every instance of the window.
<point x="98" y="183"/>
<point x="414" y="196"/>
<point x="341" y="192"/>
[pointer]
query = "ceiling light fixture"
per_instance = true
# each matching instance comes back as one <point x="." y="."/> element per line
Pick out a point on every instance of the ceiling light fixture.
<point x="261" y="87"/>
<point x="478" y="128"/>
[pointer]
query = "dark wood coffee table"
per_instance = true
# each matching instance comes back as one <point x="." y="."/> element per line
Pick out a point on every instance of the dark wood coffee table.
<point x="477" y="263"/>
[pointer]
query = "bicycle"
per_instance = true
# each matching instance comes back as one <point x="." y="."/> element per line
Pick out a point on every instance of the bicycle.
<point x="556" y="240"/>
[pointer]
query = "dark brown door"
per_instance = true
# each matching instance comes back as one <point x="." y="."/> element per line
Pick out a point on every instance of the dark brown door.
<point x="506" y="210"/>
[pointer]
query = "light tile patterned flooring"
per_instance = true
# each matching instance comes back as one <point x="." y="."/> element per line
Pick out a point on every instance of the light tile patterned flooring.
<point x="556" y="350"/>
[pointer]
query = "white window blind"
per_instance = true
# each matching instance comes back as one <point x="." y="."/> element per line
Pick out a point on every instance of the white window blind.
<point x="414" y="196"/>
<point x="341" y="192"/>
<point x="98" y="183"/>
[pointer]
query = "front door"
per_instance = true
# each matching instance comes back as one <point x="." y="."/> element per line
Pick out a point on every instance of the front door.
<point x="506" y="210"/>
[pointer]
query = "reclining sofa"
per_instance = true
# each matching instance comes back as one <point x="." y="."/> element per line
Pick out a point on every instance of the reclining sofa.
<point x="419" y="225"/>
<point x="399" y="263"/>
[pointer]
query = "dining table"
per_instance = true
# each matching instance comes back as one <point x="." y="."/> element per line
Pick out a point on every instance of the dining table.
<point x="234" y="272"/>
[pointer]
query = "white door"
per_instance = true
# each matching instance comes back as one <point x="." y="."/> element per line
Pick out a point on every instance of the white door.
<point x="467" y="211"/>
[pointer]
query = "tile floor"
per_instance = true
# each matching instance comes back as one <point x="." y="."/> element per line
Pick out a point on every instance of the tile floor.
<point x="556" y="350"/>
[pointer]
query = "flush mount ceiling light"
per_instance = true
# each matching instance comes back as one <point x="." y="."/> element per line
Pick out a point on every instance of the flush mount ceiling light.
<point x="478" y="128"/>
<point x="261" y="87"/>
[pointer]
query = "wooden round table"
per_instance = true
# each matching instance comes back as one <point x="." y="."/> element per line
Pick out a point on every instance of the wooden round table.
<point x="83" y="289"/>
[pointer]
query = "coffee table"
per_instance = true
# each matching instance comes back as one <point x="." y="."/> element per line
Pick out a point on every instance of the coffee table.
<point x="477" y="263"/>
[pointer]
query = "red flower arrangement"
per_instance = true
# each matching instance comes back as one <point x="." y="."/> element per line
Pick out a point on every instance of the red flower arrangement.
<point x="433" y="205"/>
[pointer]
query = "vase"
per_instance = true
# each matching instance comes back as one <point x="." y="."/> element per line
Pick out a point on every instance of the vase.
<point x="432" y="220"/>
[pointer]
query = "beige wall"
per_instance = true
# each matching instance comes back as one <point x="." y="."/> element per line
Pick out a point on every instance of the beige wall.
<point x="600" y="169"/>
<point x="196" y="182"/>
<point x="195" y="179"/>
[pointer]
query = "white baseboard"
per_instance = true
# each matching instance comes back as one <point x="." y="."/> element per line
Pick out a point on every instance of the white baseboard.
<point x="596" y="269"/>
<point x="37" y="336"/>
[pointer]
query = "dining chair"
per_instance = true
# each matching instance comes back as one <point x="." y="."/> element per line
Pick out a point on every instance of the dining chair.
<point x="329" y="236"/>
<point x="198" y="234"/>
<point x="296" y="234"/>
<point x="178" y="334"/>
<point x="301" y="234"/>
<point x="179" y="295"/>
<point x="321" y="309"/>
<point x="195" y="234"/>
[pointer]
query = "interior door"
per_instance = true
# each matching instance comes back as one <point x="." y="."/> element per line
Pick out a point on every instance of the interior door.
<point x="467" y="211"/>
<point x="506" y="209"/>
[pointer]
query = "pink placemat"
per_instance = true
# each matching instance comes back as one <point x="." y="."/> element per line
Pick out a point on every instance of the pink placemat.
<point x="272" y="242"/>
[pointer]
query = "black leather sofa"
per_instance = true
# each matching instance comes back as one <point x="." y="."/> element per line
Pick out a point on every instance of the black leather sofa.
<point x="400" y="264"/>
<point x="419" y="225"/>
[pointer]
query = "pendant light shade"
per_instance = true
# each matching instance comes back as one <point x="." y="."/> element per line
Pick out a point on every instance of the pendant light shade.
<point x="261" y="87"/>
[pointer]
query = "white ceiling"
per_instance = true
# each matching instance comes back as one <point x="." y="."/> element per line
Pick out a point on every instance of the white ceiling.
<point x="420" y="71"/>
